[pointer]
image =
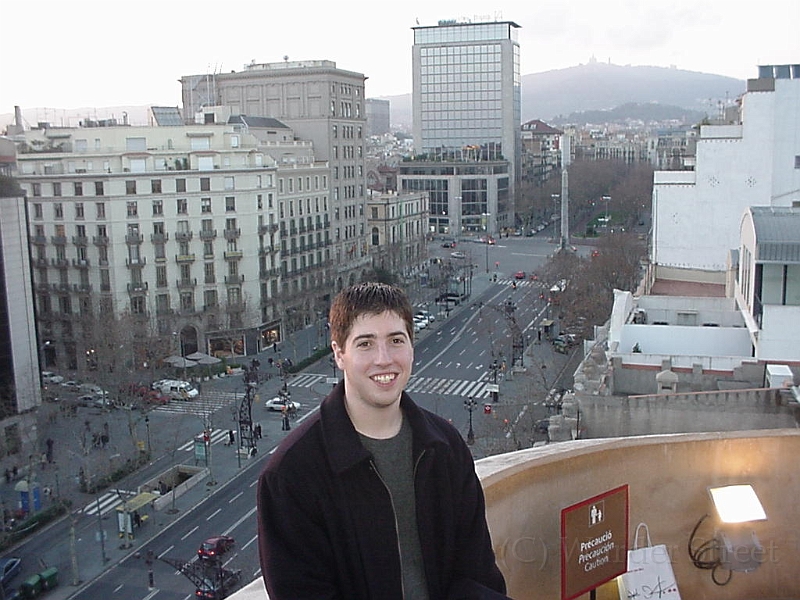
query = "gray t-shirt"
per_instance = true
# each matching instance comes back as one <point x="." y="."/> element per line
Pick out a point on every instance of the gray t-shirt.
<point x="395" y="463"/>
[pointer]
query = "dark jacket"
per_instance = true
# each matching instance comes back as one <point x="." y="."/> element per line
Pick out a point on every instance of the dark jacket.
<point x="326" y="523"/>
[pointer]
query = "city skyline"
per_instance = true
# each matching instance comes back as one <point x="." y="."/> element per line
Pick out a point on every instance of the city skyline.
<point x="63" y="59"/>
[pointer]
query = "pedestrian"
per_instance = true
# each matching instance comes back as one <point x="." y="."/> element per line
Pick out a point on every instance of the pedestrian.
<point x="402" y="509"/>
<point x="49" y="443"/>
<point x="258" y="431"/>
<point x="231" y="437"/>
<point x="8" y="475"/>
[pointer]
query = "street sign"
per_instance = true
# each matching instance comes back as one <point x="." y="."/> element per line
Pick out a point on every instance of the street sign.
<point x="594" y="542"/>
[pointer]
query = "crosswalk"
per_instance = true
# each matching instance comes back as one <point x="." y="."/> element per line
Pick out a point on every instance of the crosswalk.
<point x="106" y="503"/>
<point x="465" y="388"/>
<point x="520" y="282"/>
<point x="207" y="403"/>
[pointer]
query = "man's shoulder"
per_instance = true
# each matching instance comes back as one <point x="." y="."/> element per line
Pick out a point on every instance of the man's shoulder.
<point x="302" y="446"/>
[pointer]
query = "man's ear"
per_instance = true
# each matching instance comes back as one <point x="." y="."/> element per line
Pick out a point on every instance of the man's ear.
<point x="337" y="355"/>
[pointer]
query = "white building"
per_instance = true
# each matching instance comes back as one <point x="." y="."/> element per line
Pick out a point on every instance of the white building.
<point x="199" y="232"/>
<point x="696" y="214"/>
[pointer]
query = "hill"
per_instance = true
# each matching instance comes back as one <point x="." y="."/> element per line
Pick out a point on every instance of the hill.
<point x="553" y="96"/>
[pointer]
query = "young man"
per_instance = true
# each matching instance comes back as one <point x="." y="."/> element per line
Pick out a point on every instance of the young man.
<point x="374" y="497"/>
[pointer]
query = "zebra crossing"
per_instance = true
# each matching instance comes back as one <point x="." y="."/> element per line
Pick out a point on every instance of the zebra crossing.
<point x="217" y="436"/>
<point x="419" y="385"/>
<point x="510" y="281"/>
<point x="205" y="404"/>
<point x="106" y="503"/>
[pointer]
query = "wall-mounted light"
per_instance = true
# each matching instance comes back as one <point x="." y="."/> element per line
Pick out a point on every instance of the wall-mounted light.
<point x="735" y="546"/>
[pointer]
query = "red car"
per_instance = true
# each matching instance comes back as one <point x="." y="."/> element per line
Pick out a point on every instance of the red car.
<point x="215" y="546"/>
<point x="519" y="275"/>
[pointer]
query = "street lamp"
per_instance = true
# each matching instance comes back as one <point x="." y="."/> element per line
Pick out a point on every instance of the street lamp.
<point x="469" y="405"/>
<point x="147" y="427"/>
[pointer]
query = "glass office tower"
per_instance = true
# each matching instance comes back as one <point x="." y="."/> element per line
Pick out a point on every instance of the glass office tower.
<point x="466" y="101"/>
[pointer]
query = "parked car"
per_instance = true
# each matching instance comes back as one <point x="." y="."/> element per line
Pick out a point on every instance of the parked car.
<point x="424" y="313"/>
<point x="449" y="245"/>
<point x="278" y="404"/>
<point x="215" y="546"/>
<point x="75" y="386"/>
<point x="9" y="568"/>
<point x="50" y="377"/>
<point x="176" y="389"/>
<point x="85" y="400"/>
<point x="421" y="321"/>
<point x="458" y="254"/>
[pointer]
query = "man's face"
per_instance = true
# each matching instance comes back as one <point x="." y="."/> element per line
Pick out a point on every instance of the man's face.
<point x="376" y="359"/>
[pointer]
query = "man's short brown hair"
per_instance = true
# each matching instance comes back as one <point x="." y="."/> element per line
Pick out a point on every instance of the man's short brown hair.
<point x="371" y="298"/>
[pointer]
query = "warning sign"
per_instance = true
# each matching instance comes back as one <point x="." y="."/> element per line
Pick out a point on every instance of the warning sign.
<point x="594" y="542"/>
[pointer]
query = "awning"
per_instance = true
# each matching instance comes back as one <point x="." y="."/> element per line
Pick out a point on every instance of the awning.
<point x="547" y="323"/>
<point x="136" y="502"/>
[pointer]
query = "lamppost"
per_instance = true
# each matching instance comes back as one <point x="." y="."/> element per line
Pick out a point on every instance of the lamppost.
<point x="469" y="405"/>
<point x="486" y="231"/>
<point x="147" y="427"/>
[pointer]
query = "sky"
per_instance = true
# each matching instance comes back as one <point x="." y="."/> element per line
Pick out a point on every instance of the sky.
<point x="67" y="54"/>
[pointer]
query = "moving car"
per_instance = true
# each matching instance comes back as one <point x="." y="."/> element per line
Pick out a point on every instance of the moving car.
<point x="424" y="313"/>
<point x="449" y="245"/>
<point x="218" y="586"/>
<point x="458" y="254"/>
<point x="50" y="377"/>
<point x="176" y="389"/>
<point x="519" y="275"/>
<point x="278" y="404"/>
<point x="215" y="546"/>
<point x="71" y="385"/>
<point x="421" y="321"/>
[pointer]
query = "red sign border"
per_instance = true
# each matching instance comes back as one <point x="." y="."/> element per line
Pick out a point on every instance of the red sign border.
<point x="577" y="506"/>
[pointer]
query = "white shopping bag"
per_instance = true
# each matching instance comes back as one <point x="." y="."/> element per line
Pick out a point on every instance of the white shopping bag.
<point x="649" y="572"/>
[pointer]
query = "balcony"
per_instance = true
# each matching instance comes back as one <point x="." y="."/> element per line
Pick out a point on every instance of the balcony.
<point x="234" y="279"/>
<point x="264" y="250"/>
<point x="184" y="258"/>
<point x="61" y="263"/>
<point x="81" y="263"/>
<point x="82" y="288"/>
<point x="139" y="287"/>
<point x="232" y="234"/>
<point x="80" y="240"/>
<point x="159" y="238"/>
<point x="183" y="236"/>
<point x="100" y="240"/>
<point x="264" y="229"/>
<point x="39" y="240"/>
<point x="136" y="262"/>
<point x="59" y="240"/>
<point x="133" y="239"/>
<point x="269" y="273"/>
<point x="184" y="284"/>
<point x="40" y="262"/>
<point x="208" y="234"/>
<point x="233" y="254"/>
<point x="668" y="478"/>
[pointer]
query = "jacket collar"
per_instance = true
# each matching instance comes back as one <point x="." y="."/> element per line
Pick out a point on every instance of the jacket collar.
<point x="340" y="438"/>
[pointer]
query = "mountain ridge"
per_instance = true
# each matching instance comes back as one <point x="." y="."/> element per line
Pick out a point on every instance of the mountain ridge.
<point x="555" y="95"/>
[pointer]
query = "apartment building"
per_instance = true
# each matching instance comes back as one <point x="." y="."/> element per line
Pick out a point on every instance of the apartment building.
<point x="398" y="226"/>
<point x="323" y="104"/>
<point x="466" y="106"/>
<point x="174" y="230"/>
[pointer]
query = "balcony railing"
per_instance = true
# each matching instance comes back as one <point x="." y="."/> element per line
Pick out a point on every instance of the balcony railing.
<point x="80" y="240"/>
<point x="61" y="263"/>
<point x="136" y="262"/>
<point x="234" y="279"/>
<point x="159" y="238"/>
<point x="232" y="234"/>
<point x="134" y="238"/>
<point x="183" y="236"/>
<point x="39" y="240"/>
<point x="81" y="263"/>
<point x="59" y="240"/>
<point x="137" y="288"/>
<point x="186" y="283"/>
<point x="208" y="234"/>
<point x="184" y="258"/>
<point x="100" y="240"/>
<point x="233" y="254"/>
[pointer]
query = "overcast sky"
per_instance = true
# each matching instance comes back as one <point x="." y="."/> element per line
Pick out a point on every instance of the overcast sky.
<point x="66" y="54"/>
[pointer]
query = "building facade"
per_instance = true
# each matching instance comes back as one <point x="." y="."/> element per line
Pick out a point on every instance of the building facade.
<point x="197" y="235"/>
<point x="322" y="104"/>
<point x="398" y="226"/>
<point x="466" y="106"/>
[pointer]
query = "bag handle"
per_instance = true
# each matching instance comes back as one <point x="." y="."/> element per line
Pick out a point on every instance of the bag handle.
<point x="642" y="526"/>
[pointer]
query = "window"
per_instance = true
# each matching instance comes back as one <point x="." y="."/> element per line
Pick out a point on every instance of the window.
<point x="132" y="208"/>
<point x="205" y="184"/>
<point x="155" y="186"/>
<point x="208" y="249"/>
<point x="229" y="183"/>
<point x="210" y="277"/>
<point x="99" y="188"/>
<point x="158" y="207"/>
<point x="130" y="187"/>
<point x="230" y="204"/>
<point x="205" y="205"/>
<point x="100" y="208"/>
<point x="234" y="141"/>
<point x="180" y="185"/>
<point x="161" y="276"/>
<point x="138" y="305"/>
<point x="37" y="211"/>
<point x="37" y="189"/>
<point x="79" y="214"/>
<point x="187" y="301"/>
<point x="182" y="206"/>
<point x="78" y="188"/>
<point x="58" y="210"/>
<point x="56" y="188"/>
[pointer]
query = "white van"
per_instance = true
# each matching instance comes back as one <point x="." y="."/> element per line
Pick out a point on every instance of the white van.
<point x="177" y="390"/>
